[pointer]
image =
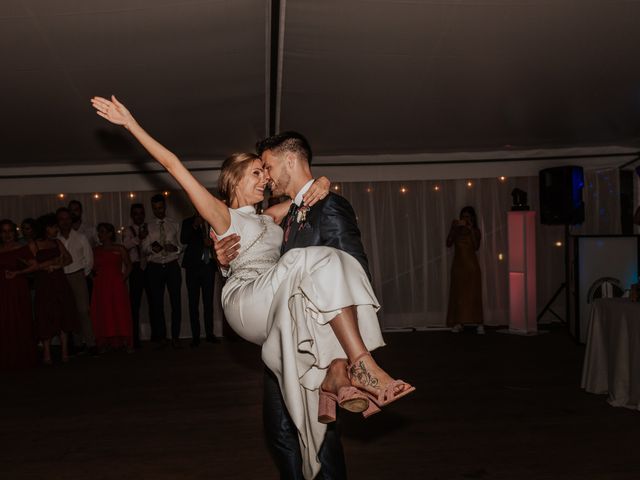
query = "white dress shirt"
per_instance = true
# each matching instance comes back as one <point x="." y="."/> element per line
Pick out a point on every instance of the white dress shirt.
<point x="133" y="244"/>
<point x="80" y="250"/>
<point x="89" y="231"/>
<point x="171" y="236"/>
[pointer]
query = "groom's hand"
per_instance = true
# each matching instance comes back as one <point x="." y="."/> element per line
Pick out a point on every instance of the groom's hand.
<point x="226" y="249"/>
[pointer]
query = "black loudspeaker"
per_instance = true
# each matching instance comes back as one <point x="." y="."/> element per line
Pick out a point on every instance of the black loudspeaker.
<point x="561" y="196"/>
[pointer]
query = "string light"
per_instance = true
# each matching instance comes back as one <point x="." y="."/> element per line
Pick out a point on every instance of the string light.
<point x="469" y="184"/>
<point x="96" y="196"/>
<point x="502" y="179"/>
<point x="500" y="256"/>
<point x="165" y="193"/>
<point x="61" y="196"/>
<point x="403" y="190"/>
<point x="558" y="244"/>
<point x="369" y="189"/>
<point x="437" y="188"/>
<point x="336" y="187"/>
<point x="132" y="195"/>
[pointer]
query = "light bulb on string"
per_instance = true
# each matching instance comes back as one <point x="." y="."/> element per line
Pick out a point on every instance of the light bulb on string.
<point x="469" y="184"/>
<point x="61" y="196"/>
<point x="404" y="190"/>
<point x="96" y="196"/>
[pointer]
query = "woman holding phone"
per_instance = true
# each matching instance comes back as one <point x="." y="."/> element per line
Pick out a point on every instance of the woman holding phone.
<point x="465" y="294"/>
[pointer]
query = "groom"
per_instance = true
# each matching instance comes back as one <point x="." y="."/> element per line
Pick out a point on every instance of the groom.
<point x="332" y="223"/>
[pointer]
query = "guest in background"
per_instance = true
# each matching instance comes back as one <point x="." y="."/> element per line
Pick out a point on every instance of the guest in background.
<point x="79" y="225"/>
<point x="27" y="230"/>
<point x="132" y="238"/>
<point x="110" y="307"/>
<point x="465" y="294"/>
<point x="200" y="271"/>
<point x="163" y="271"/>
<point x="55" y="309"/>
<point x="77" y="273"/>
<point x="17" y="340"/>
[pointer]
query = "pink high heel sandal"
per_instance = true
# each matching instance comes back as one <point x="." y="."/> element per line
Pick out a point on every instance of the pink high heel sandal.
<point x="349" y="398"/>
<point x="385" y="395"/>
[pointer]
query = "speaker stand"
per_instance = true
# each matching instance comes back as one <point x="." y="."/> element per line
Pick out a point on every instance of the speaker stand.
<point x="564" y="286"/>
<point x="547" y="307"/>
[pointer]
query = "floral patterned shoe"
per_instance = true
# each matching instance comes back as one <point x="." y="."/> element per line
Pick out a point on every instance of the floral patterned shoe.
<point x="360" y="377"/>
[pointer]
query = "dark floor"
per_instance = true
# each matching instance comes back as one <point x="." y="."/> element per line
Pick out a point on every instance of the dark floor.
<point x="487" y="407"/>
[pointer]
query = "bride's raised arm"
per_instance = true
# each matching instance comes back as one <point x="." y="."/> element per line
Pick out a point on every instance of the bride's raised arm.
<point x="210" y="208"/>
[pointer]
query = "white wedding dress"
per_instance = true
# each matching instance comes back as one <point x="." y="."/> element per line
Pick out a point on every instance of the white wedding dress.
<point x="285" y="304"/>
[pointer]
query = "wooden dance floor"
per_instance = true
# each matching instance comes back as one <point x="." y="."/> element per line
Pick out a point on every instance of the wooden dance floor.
<point x="487" y="407"/>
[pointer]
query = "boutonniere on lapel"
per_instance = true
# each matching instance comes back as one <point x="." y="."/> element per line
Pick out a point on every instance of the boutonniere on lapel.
<point x="301" y="216"/>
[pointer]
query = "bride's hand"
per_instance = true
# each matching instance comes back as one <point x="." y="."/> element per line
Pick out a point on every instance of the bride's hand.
<point x="318" y="190"/>
<point x="113" y="110"/>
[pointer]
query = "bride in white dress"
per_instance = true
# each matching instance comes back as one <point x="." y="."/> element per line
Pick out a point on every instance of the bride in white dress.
<point x="309" y="309"/>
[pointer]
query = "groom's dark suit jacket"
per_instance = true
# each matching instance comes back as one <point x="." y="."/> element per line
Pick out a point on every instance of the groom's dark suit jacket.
<point x="332" y="223"/>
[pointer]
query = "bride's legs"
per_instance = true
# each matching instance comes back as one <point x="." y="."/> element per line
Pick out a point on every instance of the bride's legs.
<point x="365" y="372"/>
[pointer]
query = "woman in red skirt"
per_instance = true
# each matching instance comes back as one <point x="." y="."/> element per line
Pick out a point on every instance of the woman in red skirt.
<point x="110" y="307"/>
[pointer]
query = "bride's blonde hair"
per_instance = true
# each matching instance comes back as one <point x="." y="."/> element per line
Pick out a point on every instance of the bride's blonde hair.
<point x="233" y="169"/>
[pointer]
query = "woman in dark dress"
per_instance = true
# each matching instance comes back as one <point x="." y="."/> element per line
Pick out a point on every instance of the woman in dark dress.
<point x="17" y="340"/>
<point x="28" y="229"/>
<point x="465" y="294"/>
<point x="55" y="310"/>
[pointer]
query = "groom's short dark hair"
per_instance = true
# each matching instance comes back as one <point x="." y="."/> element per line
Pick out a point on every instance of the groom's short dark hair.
<point x="286" y="142"/>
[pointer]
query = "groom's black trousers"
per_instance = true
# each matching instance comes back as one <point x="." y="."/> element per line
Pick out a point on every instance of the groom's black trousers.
<point x="282" y="438"/>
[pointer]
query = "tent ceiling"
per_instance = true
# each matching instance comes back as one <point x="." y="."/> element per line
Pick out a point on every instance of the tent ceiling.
<point x="358" y="77"/>
<point x="416" y="76"/>
<point x="193" y="72"/>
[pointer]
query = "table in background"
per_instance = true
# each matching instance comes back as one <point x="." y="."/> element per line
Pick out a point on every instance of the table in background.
<point x="612" y="359"/>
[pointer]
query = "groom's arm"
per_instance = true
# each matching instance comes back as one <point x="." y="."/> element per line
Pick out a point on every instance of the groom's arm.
<point x="339" y="229"/>
<point x="226" y="250"/>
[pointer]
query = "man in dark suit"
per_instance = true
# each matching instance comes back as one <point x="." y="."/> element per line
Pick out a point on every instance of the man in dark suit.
<point x="200" y="272"/>
<point x="331" y="222"/>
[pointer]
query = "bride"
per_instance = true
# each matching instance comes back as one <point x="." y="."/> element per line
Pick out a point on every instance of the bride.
<point x="308" y="309"/>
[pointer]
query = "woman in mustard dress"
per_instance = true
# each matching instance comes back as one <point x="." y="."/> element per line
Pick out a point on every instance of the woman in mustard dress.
<point x="465" y="294"/>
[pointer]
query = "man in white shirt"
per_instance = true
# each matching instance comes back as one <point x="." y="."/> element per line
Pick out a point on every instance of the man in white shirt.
<point x="132" y="237"/>
<point x="77" y="272"/>
<point x="79" y="225"/>
<point x="161" y="248"/>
